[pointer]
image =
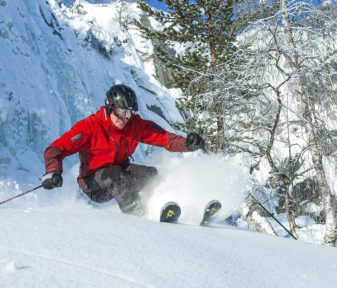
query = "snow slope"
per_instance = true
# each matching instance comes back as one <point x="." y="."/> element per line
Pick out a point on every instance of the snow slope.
<point x="56" y="239"/>
<point x="79" y="246"/>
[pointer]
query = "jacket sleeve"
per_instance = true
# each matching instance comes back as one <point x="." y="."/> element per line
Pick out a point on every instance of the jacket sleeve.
<point x="69" y="143"/>
<point x="154" y="135"/>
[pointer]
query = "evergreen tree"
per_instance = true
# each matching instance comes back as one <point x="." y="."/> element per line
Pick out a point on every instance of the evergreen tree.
<point x="250" y="11"/>
<point x="203" y="30"/>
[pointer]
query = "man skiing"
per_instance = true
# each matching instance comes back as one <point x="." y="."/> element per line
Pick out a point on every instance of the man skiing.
<point x="105" y="141"/>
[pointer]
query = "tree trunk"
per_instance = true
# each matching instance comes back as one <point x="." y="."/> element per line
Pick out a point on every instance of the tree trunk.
<point x="288" y="212"/>
<point x="220" y="128"/>
<point x="329" y="205"/>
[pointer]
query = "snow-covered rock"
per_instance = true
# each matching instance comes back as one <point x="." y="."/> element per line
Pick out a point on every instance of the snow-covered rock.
<point x="56" y="64"/>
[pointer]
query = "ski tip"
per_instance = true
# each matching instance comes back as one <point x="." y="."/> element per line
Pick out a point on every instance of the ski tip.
<point x="214" y="202"/>
<point x="211" y="209"/>
<point x="170" y="212"/>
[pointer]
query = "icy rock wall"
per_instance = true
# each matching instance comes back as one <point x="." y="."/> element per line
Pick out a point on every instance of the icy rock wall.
<point x="55" y="67"/>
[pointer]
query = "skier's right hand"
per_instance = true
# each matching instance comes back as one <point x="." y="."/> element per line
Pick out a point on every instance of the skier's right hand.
<point x="51" y="180"/>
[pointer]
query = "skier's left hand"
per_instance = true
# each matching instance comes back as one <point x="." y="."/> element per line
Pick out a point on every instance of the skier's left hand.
<point x="194" y="142"/>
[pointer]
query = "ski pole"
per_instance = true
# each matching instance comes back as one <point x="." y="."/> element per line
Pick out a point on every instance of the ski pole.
<point x="204" y="150"/>
<point x="19" y="195"/>
<point x="271" y="215"/>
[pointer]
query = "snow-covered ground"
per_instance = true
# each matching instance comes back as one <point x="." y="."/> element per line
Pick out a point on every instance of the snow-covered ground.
<point x="56" y="239"/>
<point x="80" y="246"/>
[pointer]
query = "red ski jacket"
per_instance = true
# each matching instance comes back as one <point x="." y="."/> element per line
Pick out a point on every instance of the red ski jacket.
<point x="101" y="144"/>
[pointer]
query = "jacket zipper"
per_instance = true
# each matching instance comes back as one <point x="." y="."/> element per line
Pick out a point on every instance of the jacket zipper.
<point x="113" y="139"/>
<point x="126" y="146"/>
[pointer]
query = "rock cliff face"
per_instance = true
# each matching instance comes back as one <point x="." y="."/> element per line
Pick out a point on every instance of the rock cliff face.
<point x="56" y="64"/>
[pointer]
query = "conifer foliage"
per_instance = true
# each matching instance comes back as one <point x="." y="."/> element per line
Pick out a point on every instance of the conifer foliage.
<point x="203" y="31"/>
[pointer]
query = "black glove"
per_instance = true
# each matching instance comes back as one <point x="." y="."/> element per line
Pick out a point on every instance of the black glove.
<point x="51" y="180"/>
<point x="194" y="142"/>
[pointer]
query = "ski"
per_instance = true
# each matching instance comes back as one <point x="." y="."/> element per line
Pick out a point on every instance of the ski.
<point x="170" y="213"/>
<point x="211" y="209"/>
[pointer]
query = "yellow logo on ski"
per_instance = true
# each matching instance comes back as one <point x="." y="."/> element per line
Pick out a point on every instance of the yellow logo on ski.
<point x="212" y="211"/>
<point x="170" y="213"/>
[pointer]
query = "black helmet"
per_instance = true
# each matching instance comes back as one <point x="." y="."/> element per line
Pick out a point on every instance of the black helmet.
<point x="120" y="96"/>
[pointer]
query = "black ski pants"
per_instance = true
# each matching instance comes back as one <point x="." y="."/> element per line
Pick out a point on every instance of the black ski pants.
<point x="120" y="182"/>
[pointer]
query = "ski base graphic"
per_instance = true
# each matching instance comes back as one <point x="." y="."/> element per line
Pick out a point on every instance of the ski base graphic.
<point x="211" y="209"/>
<point x="170" y="213"/>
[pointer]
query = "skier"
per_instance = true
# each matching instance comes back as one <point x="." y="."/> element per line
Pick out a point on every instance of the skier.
<point x="105" y="141"/>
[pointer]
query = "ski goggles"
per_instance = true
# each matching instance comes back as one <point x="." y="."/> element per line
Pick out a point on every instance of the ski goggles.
<point x="123" y="113"/>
